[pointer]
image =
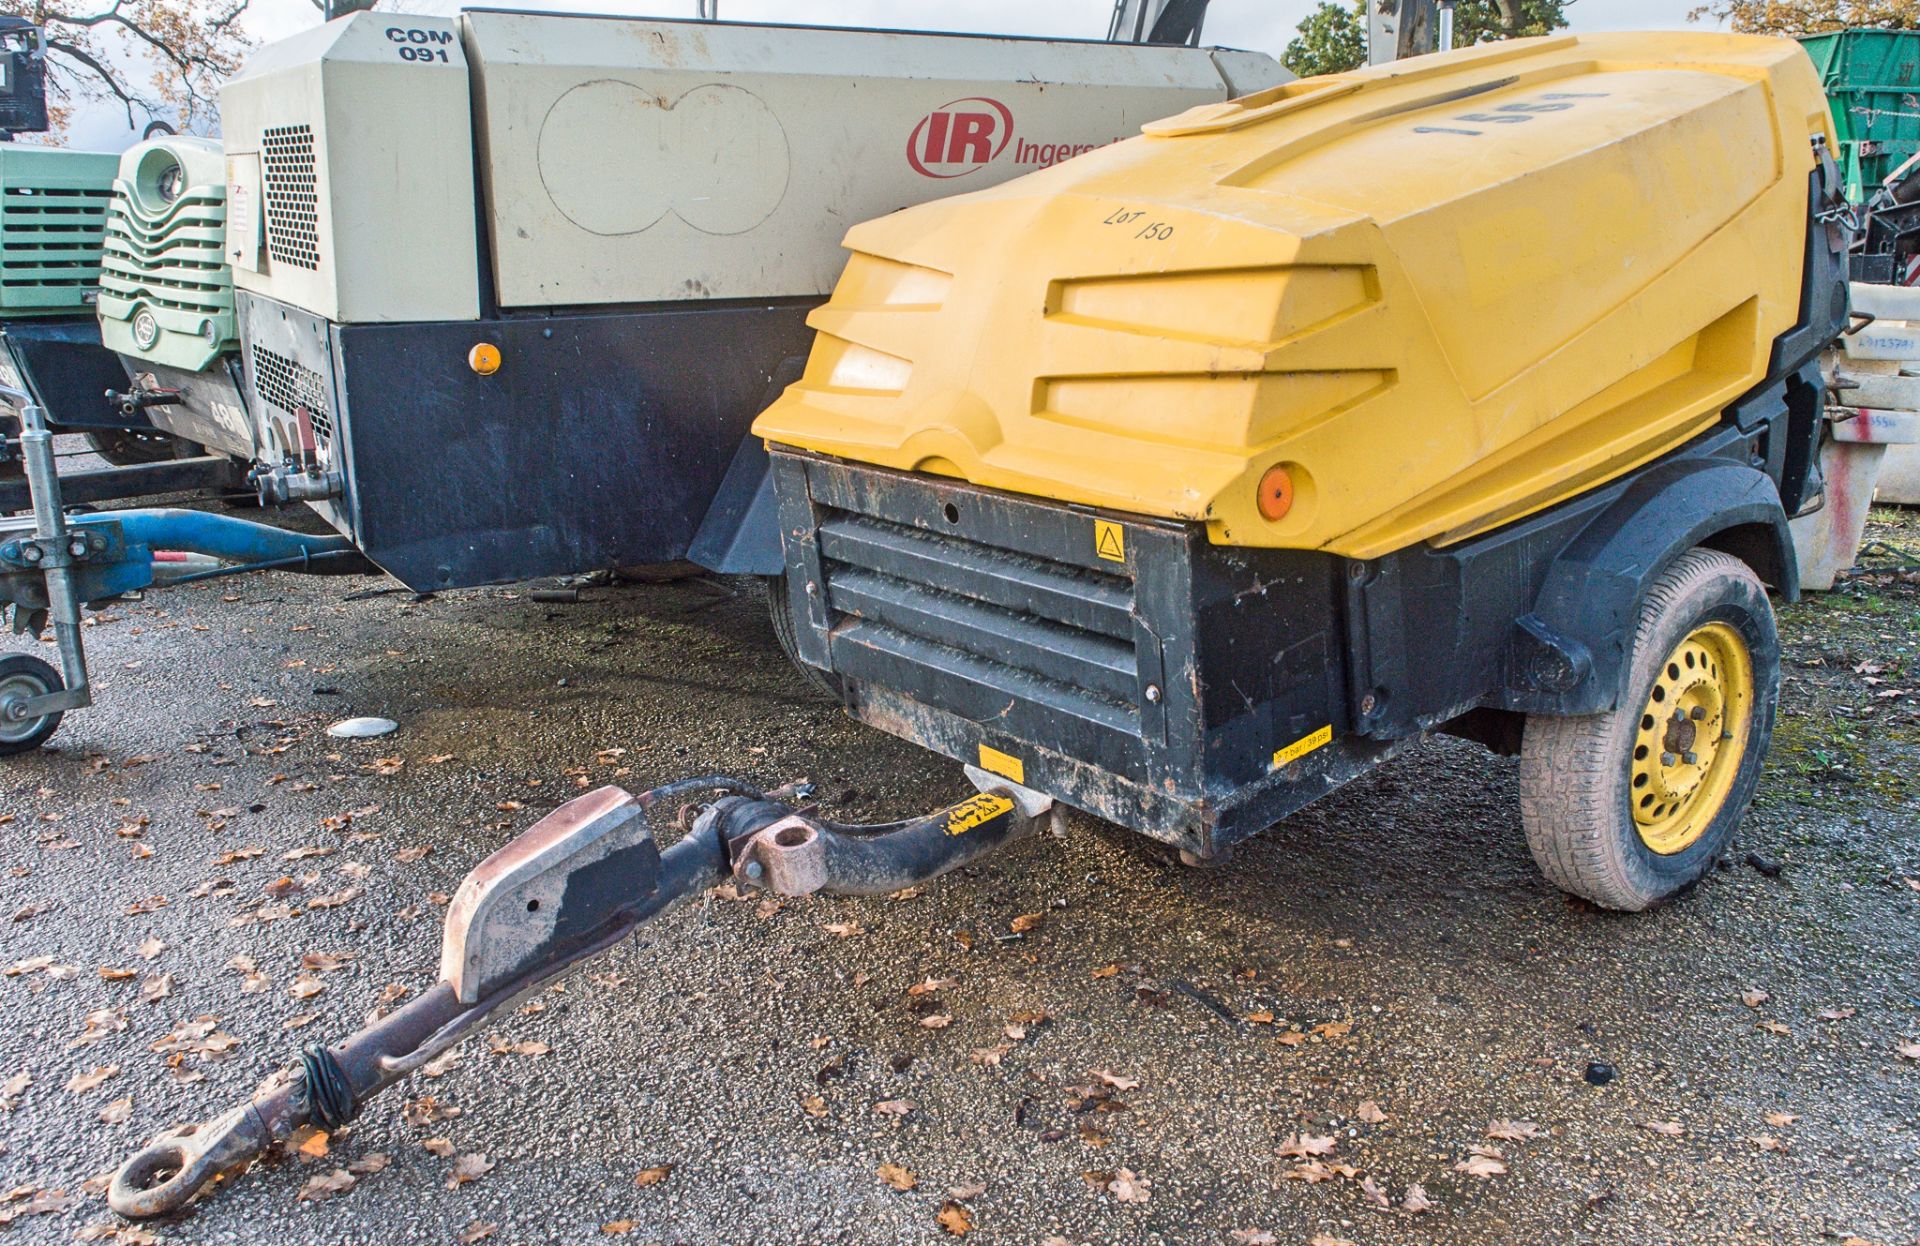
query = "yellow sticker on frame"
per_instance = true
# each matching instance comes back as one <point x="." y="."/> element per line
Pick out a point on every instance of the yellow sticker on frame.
<point x="977" y="812"/>
<point x="1004" y="764"/>
<point x="1109" y="540"/>
<point x="1300" y="748"/>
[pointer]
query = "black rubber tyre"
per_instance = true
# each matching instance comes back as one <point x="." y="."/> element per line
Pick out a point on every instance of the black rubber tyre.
<point x="23" y="675"/>
<point x="1582" y="779"/>
<point x="132" y="447"/>
<point x="780" y="612"/>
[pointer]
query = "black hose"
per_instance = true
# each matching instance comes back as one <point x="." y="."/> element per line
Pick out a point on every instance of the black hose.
<point x="324" y="1089"/>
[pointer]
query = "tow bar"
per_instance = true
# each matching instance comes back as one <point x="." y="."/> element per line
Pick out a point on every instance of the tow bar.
<point x="576" y="883"/>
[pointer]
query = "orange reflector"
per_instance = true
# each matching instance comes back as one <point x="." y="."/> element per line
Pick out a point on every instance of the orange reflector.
<point x="1276" y="494"/>
<point x="484" y="358"/>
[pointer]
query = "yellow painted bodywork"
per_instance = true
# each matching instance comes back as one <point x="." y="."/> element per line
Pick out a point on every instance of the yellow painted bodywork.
<point x="1445" y="293"/>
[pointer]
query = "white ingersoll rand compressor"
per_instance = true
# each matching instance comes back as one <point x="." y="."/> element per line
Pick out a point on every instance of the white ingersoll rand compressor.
<point x="512" y="286"/>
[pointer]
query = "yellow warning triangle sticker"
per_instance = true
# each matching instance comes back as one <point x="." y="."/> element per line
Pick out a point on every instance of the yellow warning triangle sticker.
<point x="1109" y="540"/>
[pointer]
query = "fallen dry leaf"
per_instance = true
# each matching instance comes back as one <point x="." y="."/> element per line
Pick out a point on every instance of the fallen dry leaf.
<point x="1370" y="1114"/>
<point x="1416" y="1200"/>
<point x="324" y="962"/>
<point x="1835" y="1014"/>
<point x="954" y="1219"/>
<point x="1306" y="1146"/>
<point x="614" y="1228"/>
<point x="324" y="1186"/>
<point x="156" y="988"/>
<point x="369" y="1164"/>
<point x="895" y="1107"/>
<point x="1666" y="1129"/>
<point x="971" y="1190"/>
<point x="1115" y="1080"/>
<point x="1753" y="997"/>
<point x="306" y="986"/>
<point x="117" y="1111"/>
<point x="443" y="1147"/>
<point x="1514" y="1131"/>
<point x="1482" y="1162"/>
<point x="1312" y="1171"/>
<point x="1027" y="921"/>
<point x="897" y="1177"/>
<point x="652" y="1176"/>
<point x="80" y="1083"/>
<point x="1772" y="1027"/>
<point x="479" y="1230"/>
<point x="1766" y="1142"/>
<point x="845" y="930"/>
<point x="1908" y="1051"/>
<point x="938" y="1021"/>
<point x="469" y="1167"/>
<point x="1327" y="1239"/>
<point x="151" y="947"/>
<point x="1253" y="1237"/>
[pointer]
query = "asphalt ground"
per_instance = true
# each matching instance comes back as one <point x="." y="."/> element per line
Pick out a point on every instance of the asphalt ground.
<point x="1157" y="1054"/>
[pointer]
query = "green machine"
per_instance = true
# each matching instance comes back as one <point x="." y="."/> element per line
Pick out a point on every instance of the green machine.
<point x="53" y="213"/>
<point x="166" y="294"/>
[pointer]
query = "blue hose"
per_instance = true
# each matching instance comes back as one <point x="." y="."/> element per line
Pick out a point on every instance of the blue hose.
<point x="219" y="536"/>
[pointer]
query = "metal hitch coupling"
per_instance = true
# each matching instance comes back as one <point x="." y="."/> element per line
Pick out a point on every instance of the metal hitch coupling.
<point x="576" y="883"/>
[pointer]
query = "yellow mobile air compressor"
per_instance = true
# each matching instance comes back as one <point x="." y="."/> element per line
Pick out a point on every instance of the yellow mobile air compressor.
<point x="1186" y="480"/>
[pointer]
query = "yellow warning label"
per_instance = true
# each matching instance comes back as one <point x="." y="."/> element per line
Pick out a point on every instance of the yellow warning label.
<point x="1001" y="763"/>
<point x="977" y="812"/>
<point x="1109" y="540"/>
<point x="1300" y="748"/>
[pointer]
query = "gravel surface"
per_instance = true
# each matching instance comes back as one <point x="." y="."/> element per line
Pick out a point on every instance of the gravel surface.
<point x="1385" y="974"/>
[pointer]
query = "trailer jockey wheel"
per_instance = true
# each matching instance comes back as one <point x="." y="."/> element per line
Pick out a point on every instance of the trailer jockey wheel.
<point x="1629" y="807"/>
<point x="23" y="676"/>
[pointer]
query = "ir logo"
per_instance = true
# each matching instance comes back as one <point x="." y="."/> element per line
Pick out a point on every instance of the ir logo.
<point x="960" y="138"/>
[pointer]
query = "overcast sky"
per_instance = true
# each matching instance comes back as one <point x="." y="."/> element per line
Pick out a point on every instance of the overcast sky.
<point x="1263" y="25"/>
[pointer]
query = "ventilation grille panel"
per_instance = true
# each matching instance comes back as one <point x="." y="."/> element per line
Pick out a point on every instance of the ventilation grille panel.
<point x="293" y="196"/>
<point x="282" y="383"/>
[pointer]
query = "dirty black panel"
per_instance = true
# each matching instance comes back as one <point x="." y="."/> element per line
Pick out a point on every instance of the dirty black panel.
<point x="1153" y="684"/>
<point x="601" y="441"/>
<point x="71" y="372"/>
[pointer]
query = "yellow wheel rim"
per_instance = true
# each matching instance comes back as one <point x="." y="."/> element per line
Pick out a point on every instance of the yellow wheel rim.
<point x="1691" y="738"/>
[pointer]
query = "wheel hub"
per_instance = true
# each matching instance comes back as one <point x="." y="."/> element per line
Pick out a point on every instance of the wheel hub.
<point x="1691" y="738"/>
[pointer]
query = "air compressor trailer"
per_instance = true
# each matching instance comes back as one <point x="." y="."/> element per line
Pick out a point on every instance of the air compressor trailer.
<point x="509" y="288"/>
<point x="1184" y="481"/>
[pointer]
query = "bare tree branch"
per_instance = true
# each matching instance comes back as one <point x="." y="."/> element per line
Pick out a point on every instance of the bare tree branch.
<point x="105" y="75"/>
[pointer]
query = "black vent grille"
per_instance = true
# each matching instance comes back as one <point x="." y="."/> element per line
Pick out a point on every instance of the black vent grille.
<point x="293" y="196"/>
<point x="287" y="385"/>
<point x="1034" y="629"/>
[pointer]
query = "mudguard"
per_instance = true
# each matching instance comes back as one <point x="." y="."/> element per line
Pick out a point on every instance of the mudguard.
<point x="1568" y="652"/>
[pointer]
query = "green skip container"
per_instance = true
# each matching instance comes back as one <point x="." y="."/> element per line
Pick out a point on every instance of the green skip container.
<point x="1872" y="79"/>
